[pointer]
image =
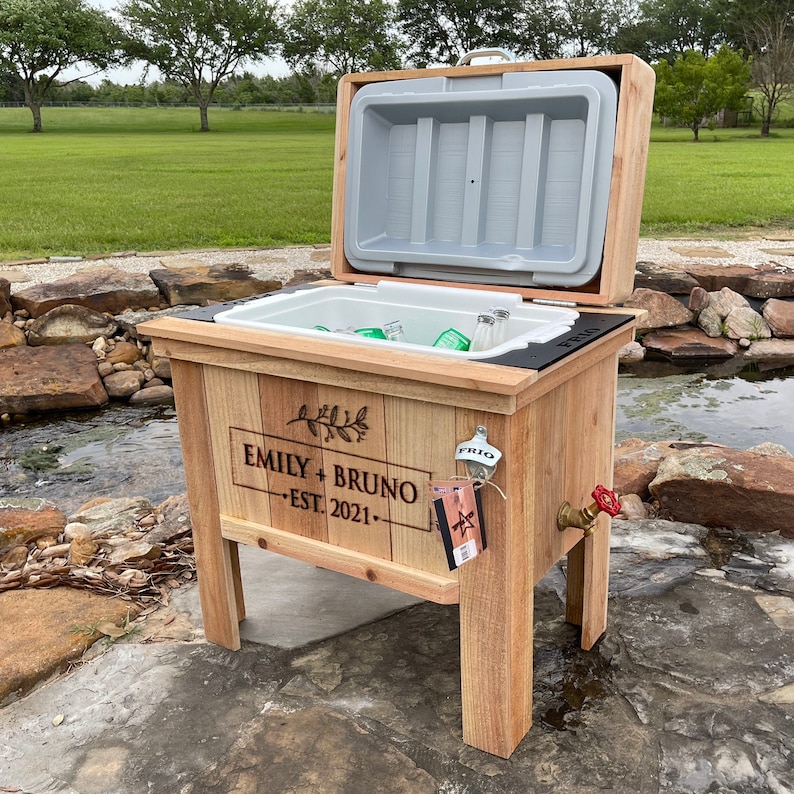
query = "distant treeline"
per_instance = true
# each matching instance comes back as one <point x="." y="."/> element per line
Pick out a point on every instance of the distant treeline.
<point x="248" y="89"/>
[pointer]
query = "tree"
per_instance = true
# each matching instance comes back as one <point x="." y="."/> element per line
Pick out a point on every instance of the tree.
<point x="441" y="31"/>
<point x="590" y="27"/>
<point x="341" y="36"/>
<point x="673" y="27"/>
<point x="766" y="30"/>
<point x="41" y="38"/>
<point x="694" y="87"/>
<point x="199" y="42"/>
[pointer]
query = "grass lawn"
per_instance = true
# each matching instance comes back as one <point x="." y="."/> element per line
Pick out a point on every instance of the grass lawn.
<point x="101" y="180"/>
<point x="112" y="179"/>
<point x="729" y="181"/>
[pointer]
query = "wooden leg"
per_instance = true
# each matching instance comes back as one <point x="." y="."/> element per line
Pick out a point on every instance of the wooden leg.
<point x="574" y="594"/>
<point x="588" y="584"/>
<point x="217" y="564"/>
<point x="237" y="579"/>
<point x="496" y="659"/>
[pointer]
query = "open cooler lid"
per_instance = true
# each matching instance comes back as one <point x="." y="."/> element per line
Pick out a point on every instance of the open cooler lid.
<point x="501" y="179"/>
<point x="526" y="176"/>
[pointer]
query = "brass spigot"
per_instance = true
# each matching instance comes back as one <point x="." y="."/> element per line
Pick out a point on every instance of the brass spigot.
<point x="605" y="501"/>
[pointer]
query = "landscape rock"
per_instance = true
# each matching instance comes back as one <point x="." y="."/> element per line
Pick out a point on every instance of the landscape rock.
<point x="202" y="285"/>
<point x="24" y="520"/>
<point x="82" y="550"/>
<point x="36" y="379"/>
<point x="764" y="281"/>
<point x="631" y="353"/>
<point x="123" y="353"/>
<point x="111" y="516"/>
<point x="701" y="251"/>
<point x="129" y="321"/>
<point x="174" y="520"/>
<point x="161" y="367"/>
<point x="48" y="643"/>
<point x="637" y="461"/>
<point x="104" y="289"/>
<point x="5" y="296"/>
<point x="308" y="277"/>
<point x="663" y="278"/>
<point x="710" y="322"/>
<point x="727" y="488"/>
<point x="134" y="551"/>
<point x="664" y="311"/>
<point x="777" y="351"/>
<point x="779" y="314"/>
<point x="770" y="448"/>
<point x="11" y="336"/>
<point x="120" y="385"/>
<point x="714" y="278"/>
<point x="69" y="324"/>
<point x="689" y="343"/>
<point x="698" y="300"/>
<point x="768" y="284"/>
<point x="154" y="395"/>
<point x="725" y="300"/>
<point x="632" y="507"/>
<point x="746" y="323"/>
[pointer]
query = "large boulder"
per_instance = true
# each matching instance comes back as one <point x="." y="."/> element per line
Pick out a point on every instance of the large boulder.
<point x="688" y="343"/>
<point x="724" y="301"/>
<point x="637" y="461"/>
<point x="105" y="289"/>
<point x="203" y="285"/>
<point x="780" y="317"/>
<point x="744" y="322"/>
<point x="721" y="487"/>
<point x="34" y="379"/>
<point x="69" y="324"/>
<point x="663" y="310"/>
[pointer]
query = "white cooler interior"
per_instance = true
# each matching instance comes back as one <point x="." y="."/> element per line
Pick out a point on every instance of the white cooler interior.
<point x="498" y="179"/>
<point x="425" y="311"/>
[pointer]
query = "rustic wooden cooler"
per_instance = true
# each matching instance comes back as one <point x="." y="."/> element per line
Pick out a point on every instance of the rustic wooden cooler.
<point x="320" y="449"/>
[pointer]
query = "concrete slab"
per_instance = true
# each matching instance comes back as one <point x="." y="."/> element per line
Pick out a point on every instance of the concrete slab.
<point x="290" y="604"/>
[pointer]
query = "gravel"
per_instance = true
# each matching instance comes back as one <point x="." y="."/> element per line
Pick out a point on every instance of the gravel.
<point x="281" y="263"/>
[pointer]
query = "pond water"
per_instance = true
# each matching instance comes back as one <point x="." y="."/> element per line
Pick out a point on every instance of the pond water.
<point x="123" y="451"/>
<point x="658" y="401"/>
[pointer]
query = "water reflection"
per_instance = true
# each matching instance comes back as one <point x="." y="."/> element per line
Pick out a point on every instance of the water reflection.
<point x="117" y="451"/>
<point x="659" y="400"/>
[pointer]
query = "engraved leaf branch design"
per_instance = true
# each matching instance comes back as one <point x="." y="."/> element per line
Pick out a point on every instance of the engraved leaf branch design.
<point x="329" y="422"/>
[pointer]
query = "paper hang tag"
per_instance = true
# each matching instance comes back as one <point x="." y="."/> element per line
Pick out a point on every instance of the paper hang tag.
<point x="459" y="514"/>
<point x="479" y="456"/>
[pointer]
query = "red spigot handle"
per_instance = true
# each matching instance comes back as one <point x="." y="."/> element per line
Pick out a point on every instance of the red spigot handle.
<point x="606" y="500"/>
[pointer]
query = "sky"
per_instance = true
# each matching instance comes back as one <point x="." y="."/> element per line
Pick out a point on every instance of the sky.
<point x="133" y="74"/>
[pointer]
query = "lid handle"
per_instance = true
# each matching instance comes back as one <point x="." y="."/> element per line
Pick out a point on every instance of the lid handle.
<point x="488" y="52"/>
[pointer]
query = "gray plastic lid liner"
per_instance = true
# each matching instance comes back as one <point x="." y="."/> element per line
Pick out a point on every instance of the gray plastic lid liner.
<point x="495" y="179"/>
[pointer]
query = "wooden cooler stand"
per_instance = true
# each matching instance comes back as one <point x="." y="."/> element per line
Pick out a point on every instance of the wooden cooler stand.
<point x="321" y="450"/>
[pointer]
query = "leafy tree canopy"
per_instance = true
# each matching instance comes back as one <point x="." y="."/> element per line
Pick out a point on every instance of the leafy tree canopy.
<point x="199" y="42"/>
<point x="342" y="36"/>
<point x="41" y="38"/>
<point x="693" y="88"/>
<point x="441" y="31"/>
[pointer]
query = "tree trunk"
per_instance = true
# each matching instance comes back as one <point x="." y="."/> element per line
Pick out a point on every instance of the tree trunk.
<point x="205" y="124"/>
<point x="696" y="132"/>
<point x="766" y="123"/>
<point x="35" y="107"/>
